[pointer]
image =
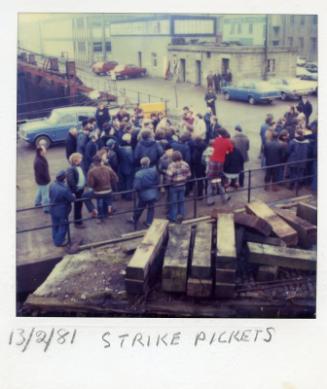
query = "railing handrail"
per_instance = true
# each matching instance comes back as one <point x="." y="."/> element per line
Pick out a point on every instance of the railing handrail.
<point x="131" y="191"/>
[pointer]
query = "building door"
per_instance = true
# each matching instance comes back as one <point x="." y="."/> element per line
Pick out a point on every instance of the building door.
<point x="139" y="54"/>
<point x="198" y="72"/>
<point x="224" y="65"/>
<point x="182" y="70"/>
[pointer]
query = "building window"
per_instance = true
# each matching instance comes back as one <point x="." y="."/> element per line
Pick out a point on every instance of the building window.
<point x="275" y="43"/>
<point x="208" y="54"/>
<point x="97" y="47"/>
<point x="80" y="23"/>
<point x="290" y="41"/>
<point x="301" y="43"/>
<point x="81" y="46"/>
<point x="251" y="28"/>
<point x="276" y="30"/>
<point x="154" y="59"/>
<point x="239" y="28"/>
<point x="315" y="19"/>
<point x="232" y="29"/>
<point x="108" y="46"/>
<point x="271" y="65"/>
<point x="302" y="20"/>
<point x="292" y="20"/>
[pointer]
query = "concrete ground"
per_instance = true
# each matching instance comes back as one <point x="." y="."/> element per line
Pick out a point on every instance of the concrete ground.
<point x="33" y="246"/>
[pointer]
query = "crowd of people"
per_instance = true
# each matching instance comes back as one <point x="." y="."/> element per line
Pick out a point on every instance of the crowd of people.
<point x="131" y="153"/>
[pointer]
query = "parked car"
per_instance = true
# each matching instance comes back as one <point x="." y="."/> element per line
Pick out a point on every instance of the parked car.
<point x="253" y="91"/>
<point x="304" y="74"/>
<point x="54" y="129"/>
<point x="312" y="67"/>
<point x="291" y="88"/>
<point x="128" y="71"/>
<point x="300" y="61"/>
<point x="102" y="68"/>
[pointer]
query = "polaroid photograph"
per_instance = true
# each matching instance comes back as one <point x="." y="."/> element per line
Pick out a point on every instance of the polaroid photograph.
<point x="163" y="218"/>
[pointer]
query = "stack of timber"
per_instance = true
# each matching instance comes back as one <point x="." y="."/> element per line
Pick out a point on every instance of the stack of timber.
<point x="225" y="261"/>
<point x="145" y="264"/>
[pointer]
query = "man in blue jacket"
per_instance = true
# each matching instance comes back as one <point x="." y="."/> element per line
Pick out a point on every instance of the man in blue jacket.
<point x="147" y="147"/>
<point x="126" y="166"/>
<point x="61" y="198"/>
<point x="145" y="184"/>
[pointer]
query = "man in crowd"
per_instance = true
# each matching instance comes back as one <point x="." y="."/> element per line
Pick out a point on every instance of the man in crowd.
<point x="101" y="179"/>
<point x="102" y="115"/>
<point x="242" y="143"/>
<point x="90" y="150"/>
<point x="61" y="198"/>
<point x="71" y="142"/>
<point x="147" y="147"/>
<point x="126" y="165"/>
<point x="177" y="174"/>
<point x="42" y="178"/>
<point x="273" y="156"/>
<point x="145" y="184"/>
<point x="76" y="182"/>
<point x="210" y="99"/>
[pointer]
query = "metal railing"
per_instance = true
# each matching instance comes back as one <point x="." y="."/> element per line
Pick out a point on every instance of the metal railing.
<point x="194" y="199"/>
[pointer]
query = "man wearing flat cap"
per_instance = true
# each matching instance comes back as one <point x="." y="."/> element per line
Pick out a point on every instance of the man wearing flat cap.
<point x="60" y="198"/>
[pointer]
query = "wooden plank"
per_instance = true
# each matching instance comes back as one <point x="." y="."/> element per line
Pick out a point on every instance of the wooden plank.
<point x="307" y="232"/>
<point x="225" y="275"/>
<point x="307" y="212"/>
<point x="201" y="257"/>
<point x="226" y="240"/>
<point x="279" y="226"/>
<point x="130" y="246"/>
<point x="254" y="222"/>
<point x="256" y="238"/>
<point x="224" y="290"/>
<point x="145" y="255"/>
<point x="174" y="271"/>
<point x="282" y="256"/>
<point x="267" y="273"/>
<point x="199" y="287"/>
<point x="240" y="236"/>
<point x="136" y="286"/>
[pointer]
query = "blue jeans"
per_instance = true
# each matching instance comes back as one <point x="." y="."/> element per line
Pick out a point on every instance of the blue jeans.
<point x="103" y="202"/>
<point x="141" y="205"/>
<point x="42" y="196"/>
<point x="59" y="229"/>
<point x="176" y="202"/>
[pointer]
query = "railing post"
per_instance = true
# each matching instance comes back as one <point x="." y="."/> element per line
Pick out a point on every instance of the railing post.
<point x="134" y="207"/>
<point x="249" y="185"/>
<point x="149" y="98"/>
<point x="195" y="199"/>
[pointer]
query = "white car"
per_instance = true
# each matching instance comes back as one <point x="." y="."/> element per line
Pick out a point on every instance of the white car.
<point x="291" y="88"/>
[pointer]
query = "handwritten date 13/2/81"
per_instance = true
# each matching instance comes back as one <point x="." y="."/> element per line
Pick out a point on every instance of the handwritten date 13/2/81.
<point x="23" y="339"/>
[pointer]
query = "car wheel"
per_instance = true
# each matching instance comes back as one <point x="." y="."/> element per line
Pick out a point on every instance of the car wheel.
<point x="226" y="96"/>
<point x="42" y="141"/>
<point x="125" y="77"/>
<point x="142" y="74"/>
<point x="283" y="96"/>
<point x="251" y="100"/>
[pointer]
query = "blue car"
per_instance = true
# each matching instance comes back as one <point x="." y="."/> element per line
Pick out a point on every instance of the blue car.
<point x="54" y="129"/>
<point x="253" y="91"/>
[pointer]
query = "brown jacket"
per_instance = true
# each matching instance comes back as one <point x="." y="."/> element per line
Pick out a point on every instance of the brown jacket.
<point x="101" y="179"/>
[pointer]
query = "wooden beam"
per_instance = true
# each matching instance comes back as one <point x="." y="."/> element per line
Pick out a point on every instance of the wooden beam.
<point x="225" y="275"/>
<point x="279" y="226"/>
<point x="254" y="222"/>
<point x="226" y="240"/>
<point x="256" y="238"/>
<point x="307" y="212"/>
<point x="266" y="273"/>
<point x="282" y="256"/>
<point x="199" y="287"/>
<point x="224" y="290"/>
<point x="201" y="258"/>
<point x="307" y="232"/>
<point x="147" y="252"/>
<point x="174" y="271"/>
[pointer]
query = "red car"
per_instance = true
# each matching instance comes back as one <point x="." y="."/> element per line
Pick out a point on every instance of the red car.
<point x="102" y="68"/>
<point x="128" y="71"/>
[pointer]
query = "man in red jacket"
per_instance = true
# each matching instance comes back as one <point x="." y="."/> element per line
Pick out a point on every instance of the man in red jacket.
<point x="221" y="147"/>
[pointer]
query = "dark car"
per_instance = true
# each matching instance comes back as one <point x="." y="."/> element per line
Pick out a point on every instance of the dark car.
<point x="102" y="68"/>
<point x="128" y="71"/>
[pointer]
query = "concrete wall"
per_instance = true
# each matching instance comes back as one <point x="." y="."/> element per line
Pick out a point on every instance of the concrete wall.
<point x="125" y="50"/>
<point x="243" y="64"/>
